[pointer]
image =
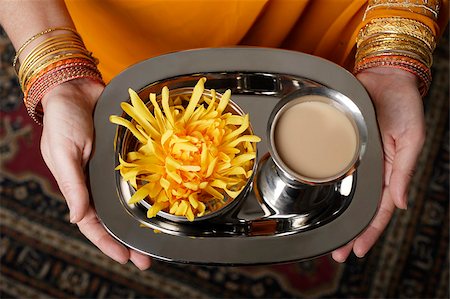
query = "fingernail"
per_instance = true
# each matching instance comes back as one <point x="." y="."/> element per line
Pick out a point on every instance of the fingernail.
<point x="337" y="258"/>
<point x="359" y="254"/>
<point x="73" y="216"/>
<point x="142" y="268"/>
<point x="71" y="213"/>
<point x="405" y="202"/>
<point x="123" y="262"/>
<point x="119" y="260"/>
<point x="404" y="206"/>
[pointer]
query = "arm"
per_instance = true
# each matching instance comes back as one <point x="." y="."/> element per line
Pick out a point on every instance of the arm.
<point x="393" y="60"/>
<point x="23" y="19"/>
<point x="67" y="135"/>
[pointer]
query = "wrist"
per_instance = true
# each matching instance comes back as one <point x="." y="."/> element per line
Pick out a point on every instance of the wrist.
<point x="382" y="77"/>
<point x="389" y="72"/>
<point x="384" y="83"/>
<point x="82" y="91"/>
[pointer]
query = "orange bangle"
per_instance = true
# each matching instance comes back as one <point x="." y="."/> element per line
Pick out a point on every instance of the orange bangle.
<point x="44" y="80"/>
<point x="52" y="79"/>
<point x="401" y="62"/>
<point x="50" y="67"/>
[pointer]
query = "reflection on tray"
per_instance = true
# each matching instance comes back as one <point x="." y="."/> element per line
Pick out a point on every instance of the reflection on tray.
<point x="238" y="82"/>
<point x="301" y="209"/>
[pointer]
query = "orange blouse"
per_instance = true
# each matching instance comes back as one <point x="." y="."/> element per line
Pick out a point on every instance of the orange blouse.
<point x="121" y="32"/>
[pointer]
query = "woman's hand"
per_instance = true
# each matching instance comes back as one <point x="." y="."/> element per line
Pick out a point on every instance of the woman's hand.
<point x="400" y="116"/>
<point x="66" y="146"/>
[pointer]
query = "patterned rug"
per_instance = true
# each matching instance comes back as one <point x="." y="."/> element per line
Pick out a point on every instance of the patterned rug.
<point x="44" y="256"/>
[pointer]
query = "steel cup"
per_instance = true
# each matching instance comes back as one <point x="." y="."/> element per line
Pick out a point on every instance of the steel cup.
<point x="291" y="192"/>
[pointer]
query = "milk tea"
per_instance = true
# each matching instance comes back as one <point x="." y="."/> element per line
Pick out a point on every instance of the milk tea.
<point x="315" y="139"/>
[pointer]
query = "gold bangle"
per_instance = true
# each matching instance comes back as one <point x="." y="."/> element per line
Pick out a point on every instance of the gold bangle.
<point x="395" y="48"/>
<point x="53" y="41"/>
<point x="400" y="39"/>
<point x="391" y="53"/>
<point x="31" y="39"/>
<point x="27" y="69"/>
<point x="395" y="44"/>
<point x="395" y="37"/>
<point x="53" y="59"/>
<point x="47" y="50"/>
<point x="47" y="42"/>
<point x="61" y="56"/>
<point x="41" y="55"/>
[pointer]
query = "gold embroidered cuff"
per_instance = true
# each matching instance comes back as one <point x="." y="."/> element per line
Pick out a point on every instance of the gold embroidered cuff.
<point x="396" y="25"/>
<point x="429" y="8"/>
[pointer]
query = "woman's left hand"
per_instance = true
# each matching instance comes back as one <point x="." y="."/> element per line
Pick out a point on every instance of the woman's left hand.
<point x="400" y="116"/>
<point x="66" y="145"/>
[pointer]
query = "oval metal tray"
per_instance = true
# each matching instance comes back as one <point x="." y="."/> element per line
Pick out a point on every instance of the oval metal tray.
<point x="257" y="230"/>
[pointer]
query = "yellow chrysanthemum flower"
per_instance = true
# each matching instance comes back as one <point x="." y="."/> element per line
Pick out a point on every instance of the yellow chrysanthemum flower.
<point x="188" y="156"/>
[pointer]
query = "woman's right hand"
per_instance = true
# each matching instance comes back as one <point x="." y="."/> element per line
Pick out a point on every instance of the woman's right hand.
<point x="66" y="145"/>
<point x="400" y="116"/>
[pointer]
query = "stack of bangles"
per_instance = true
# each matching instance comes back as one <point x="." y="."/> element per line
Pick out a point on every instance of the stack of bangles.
<point x="399" y="34"/>
<point x="55" y="60"/>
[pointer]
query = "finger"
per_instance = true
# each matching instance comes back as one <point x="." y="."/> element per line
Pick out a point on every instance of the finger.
<point x="91" y="227"/>
<point x="340" y="255"/>
<point x="368" y="238"/>
<point x="70" y="177"/>
<point x="388" y="156"/>
<point x="387" y="173"/>
<point x="402" y="172"/>
<point x="142" y="261"/>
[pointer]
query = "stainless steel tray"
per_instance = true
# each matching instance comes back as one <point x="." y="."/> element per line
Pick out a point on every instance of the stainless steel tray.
<point x="256" y="230"/>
